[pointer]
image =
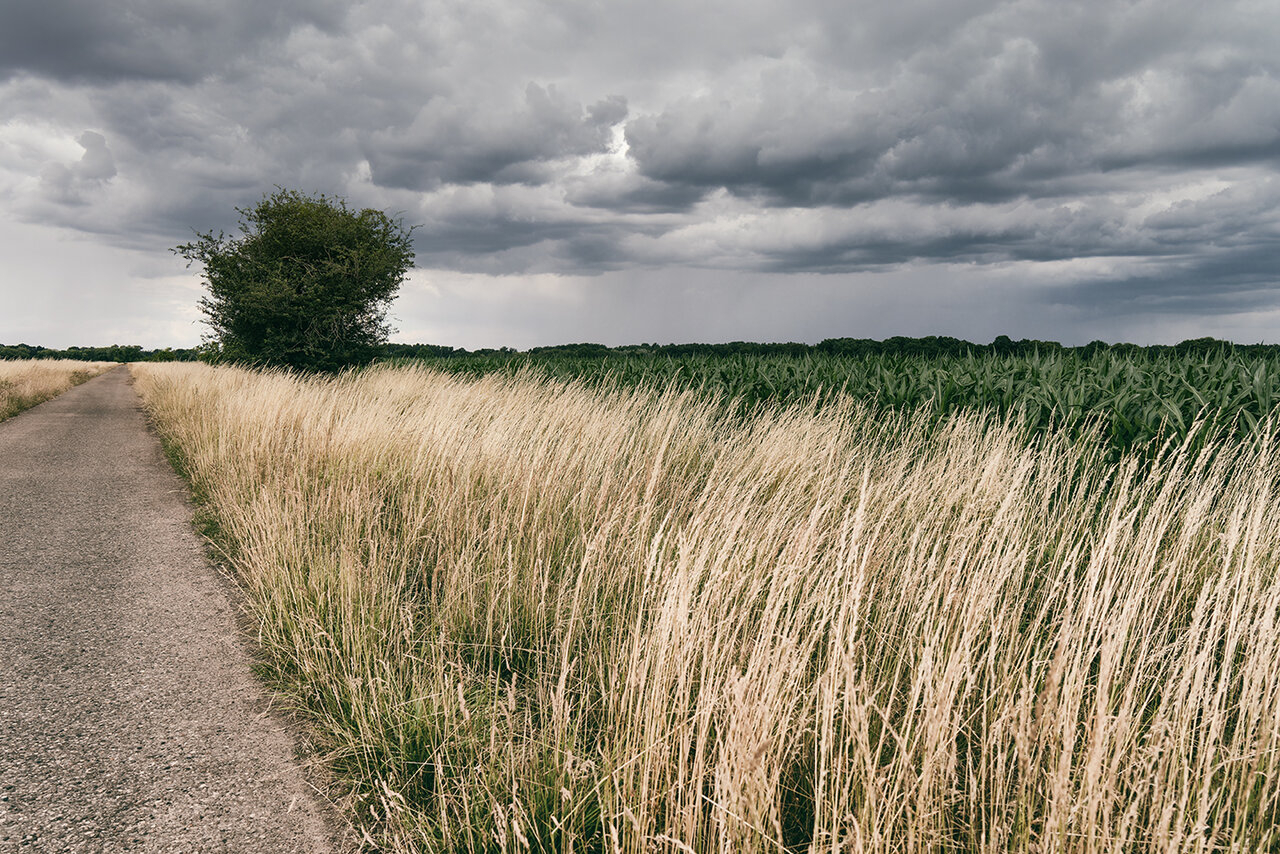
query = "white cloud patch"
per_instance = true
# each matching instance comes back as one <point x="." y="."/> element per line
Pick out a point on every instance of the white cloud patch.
<point x="68" y="183"/>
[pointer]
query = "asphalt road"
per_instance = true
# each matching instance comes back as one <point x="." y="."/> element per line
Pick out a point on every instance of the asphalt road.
<point x="130" y="719"/>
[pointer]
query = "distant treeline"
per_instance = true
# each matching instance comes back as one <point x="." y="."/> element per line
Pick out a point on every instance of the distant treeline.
<point x="932" y="345"/>
<point x="114" y="353"/>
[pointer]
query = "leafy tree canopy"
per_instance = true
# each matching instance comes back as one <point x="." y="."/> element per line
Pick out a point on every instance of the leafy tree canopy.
<point x="307" y="284"/>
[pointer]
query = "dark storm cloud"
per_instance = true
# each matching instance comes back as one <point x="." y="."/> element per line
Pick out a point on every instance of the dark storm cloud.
<point x="1238" y="222"/>
<point x="1235" y="281"/>
<point x="89" y="40"/>
<point x="1001" y="107"/>
<point x="518" y="229"/>
<point x="453" y="143"/>
<point x="1140" y="138"/>
<point x="632" y="194"/>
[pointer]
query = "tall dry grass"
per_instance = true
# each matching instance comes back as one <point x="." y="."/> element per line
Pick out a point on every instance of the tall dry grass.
<point x="27" y="382"/>
<point x="526" y="616"/>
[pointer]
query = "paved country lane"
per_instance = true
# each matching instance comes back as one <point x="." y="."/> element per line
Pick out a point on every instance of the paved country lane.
<point x="129" y="717"/>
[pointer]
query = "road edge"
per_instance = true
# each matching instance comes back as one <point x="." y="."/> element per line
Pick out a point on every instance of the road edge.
<point x="337" y="831"/>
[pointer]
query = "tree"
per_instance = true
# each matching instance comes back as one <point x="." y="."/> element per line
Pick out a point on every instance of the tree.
<point x="307" y="285"/>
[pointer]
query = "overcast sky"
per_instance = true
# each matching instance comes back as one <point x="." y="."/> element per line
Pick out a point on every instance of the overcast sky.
<point x="665" y="170"/>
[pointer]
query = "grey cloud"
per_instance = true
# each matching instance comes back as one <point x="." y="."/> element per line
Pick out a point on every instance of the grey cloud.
<point x="457" y="142"/>
<point x="507" y="245"/>
<point x="794" y="140"/>
<point x="629" y="193"/>
<point x="1004" y="103"/>
<point x="87" y="40"/>
<point x="1216" y="116"/>
<point x="760" y="137"/>
<point x="1238" y="281"/>
<point x="66" y="184"/>
<point x="1170" y="221"/>
<point x="97" y="164"/>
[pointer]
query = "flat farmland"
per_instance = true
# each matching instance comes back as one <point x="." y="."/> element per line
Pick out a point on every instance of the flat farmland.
<point x="528" y="610"/>
<point x="1128" y="398"/>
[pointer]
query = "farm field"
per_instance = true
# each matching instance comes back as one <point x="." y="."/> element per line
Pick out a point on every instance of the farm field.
<point x="549" y="609"/>
<point x="27" y="382"/>
<point x="1131" y="397"/>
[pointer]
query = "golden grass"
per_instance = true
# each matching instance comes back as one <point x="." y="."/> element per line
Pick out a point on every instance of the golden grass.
<point x="27" y="382"/>
<point x="522" y="615"/>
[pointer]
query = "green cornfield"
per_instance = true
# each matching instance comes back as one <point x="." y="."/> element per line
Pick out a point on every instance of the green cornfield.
<point x="1132" y="398"/>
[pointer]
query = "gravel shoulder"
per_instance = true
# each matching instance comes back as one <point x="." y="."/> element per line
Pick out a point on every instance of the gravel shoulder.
<point x="130" y="719"/>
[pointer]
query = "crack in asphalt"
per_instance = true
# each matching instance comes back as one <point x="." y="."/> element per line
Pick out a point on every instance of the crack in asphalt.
<point x="130" y="719"/>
